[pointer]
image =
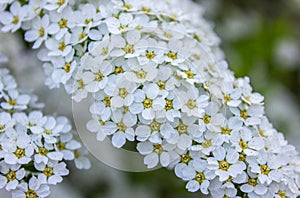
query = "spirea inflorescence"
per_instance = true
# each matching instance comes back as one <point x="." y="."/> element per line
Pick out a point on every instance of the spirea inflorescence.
<point x="34" y="147"/>
<point x="158" y="77"/>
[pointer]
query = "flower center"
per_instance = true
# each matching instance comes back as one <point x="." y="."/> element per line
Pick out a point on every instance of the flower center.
<point x="125" y="109"/>
<point x="60" y="146"/>
<point x="106" y="101"/>
<point x="62" y="23"/>
<point x="141" y="74"/>
<point x="182" y="128"/>
<point x="118" y="70"/>
<point x="87" y="21"/>
<point x="15" y="20"/>
<point x="150" y="55"/>
<point x="206" y="119"/>
<point x="19" y="153"/>
<point x="127" y="6"/>
<point x="243" y="145"/>
<point x="281" y="194"/>
<point x="104" y="51"/>
<point x="161" y="84"/>
<point x="191" y="104"/>
<point x="185" y="158"/>
<point x="81" y="84"/>
<point x="264" y="169"/>
<point x="123" y="92"/>
<point x="145" y="9"/>
<point x="99" y="76"/>
<point x="12" y="102"/>
<point x="42" y="32"/>
<point x="82" y="35"/>
<point x="244" y="114"/>
<point x="122" y="26"/>
<point x="67" y="67"/>
<point x="147" y="103"/>
<point x="242" y="157"/>
<point x="261" y="133"/>
<point x="206" y="143"/>
<point x="200" y="177"/>
<point x="62" y="46"/>
<point x="121" y="126"/>
<point x="157" y="148"/>
<point x="48" y="171"/>
<point x="172" y="55"/>
<point x="43" y="151"/>
<point x="252" y="181"/>
<point x="224" y="165"/>
<point x="226" y="131"/>
<point x="48" y="132"/>
<point x="227" y="98"/>
<point x="76" y="154"/>
<point x="128" y="49"/>
<point x="154" y="126"/>
<point x="169" y="105"/>
<point x="60" y="2"/>
<point x="31" y="194"/>
<point x="2" y="127"/>
<point x="189" y="74"/>
<point x="11" y="175"/>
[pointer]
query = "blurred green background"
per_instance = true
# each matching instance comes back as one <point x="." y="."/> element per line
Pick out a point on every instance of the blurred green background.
<point x="260" y="39"/>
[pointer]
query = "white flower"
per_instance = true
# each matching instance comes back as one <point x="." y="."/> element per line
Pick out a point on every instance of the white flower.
<point x="61" y="22"/>
<point x="129" y="46"/>
<point x="157" y="153"/>
<point x="142" y="74"/>
<point x="78" y="35"/>
<point x="243" y="140"/>
<point x="253" y="187"/>
<point x="60" y="47"/>
<point x="60" y="70"/>
<point x="97" y="78"/>
<point x="121" y="128"/>
<point x="96" y="127"/>
<point x="121" y="91"/>
<point x="5" y="121"/>
<point x="212" y="119"/>
<point x="76" y="86"/>
<point x="88" y="16"/>
<point x="172" y="107"/>
<point x="266" y="167"/>
<point x="11" y="175"/>
<point x="52" y="172"/>
<point x="197" y="175"/>
<point x="225" y="163"/>
<point x="58" y="5"/>
<point x="121" y="24"/>
<point x="13" y="19"/>
<point x="81" y="161"/>
<point x="18" y="147"/>
<point x="147" y="101"/>
<point x="150" y="130"/>
<point x="66" y="145"/>
<point x="250" y="116"/>
<point x="228" y="94"/>
<point x="39" y="32"/>
<point x="185" y="130"/>
<point x="193" y="104"/>
<point x="34" y="188"/>
<point x="15" y="100"/>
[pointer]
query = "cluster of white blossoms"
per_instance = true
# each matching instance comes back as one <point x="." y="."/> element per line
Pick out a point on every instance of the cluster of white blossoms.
<point x="158" y="78"/>
<point x="33" y="147"/>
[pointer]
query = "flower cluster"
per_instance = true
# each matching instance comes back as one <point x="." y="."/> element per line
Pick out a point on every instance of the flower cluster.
<point x="158" y="78"/>
<point x="33" y="147"/>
